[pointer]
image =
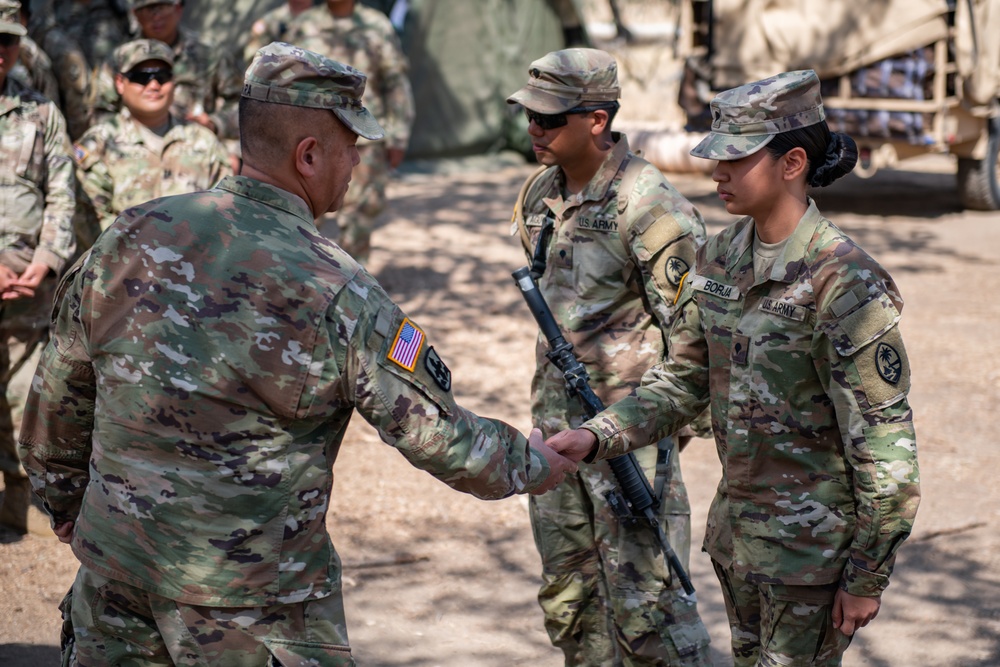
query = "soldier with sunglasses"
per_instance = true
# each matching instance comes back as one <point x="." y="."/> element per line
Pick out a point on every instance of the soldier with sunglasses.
<point x="609" y="240"/>
<point x="144" y="152"/>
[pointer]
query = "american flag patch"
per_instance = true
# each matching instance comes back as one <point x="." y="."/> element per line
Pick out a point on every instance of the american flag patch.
<point x="406" y="347"/>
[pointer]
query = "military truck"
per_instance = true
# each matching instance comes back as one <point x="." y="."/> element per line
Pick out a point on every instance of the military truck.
<point x="902" y="77"/>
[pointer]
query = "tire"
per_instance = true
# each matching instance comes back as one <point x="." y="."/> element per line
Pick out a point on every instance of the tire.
<point x="979" y="180"/>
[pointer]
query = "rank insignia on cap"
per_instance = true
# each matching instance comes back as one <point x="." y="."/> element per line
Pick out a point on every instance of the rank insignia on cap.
<point x="888" y="363"/>
<point x="406" y="346"/>
<point x="675" y="270"/>
<point x="437" y="369"/>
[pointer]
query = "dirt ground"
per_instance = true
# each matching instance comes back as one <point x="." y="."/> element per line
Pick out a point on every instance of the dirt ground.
<point x="436" y="578"/>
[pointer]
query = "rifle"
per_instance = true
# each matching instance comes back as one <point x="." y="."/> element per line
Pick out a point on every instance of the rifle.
<point x="634" y="497"/>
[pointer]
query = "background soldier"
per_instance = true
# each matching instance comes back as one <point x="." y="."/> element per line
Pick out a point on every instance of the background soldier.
<point x="251" y="340"/>
<point x="36" y="237"/>
<point x="144" y="152"/>
<point x="206" y="80"/>
<point x="611" y="240"/>
<point x="364" y="38"/>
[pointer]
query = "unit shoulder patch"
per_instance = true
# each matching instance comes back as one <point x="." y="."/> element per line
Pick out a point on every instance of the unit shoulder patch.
<point x="675" y="269"/>
<point x="888" y="363"/>
<point x="437" y="369"/>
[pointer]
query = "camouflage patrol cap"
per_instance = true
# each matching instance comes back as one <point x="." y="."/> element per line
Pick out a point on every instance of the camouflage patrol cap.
<point x="563" y="80"/>
<point x="284" y="74"/>
<point x="9" y="18"/>
<point x="139" y="4"/>
<point x="745" y="119"/>
<point x="130" y="54"/>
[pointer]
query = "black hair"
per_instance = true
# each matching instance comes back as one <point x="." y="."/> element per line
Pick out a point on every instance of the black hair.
<point x="830" y="155"/>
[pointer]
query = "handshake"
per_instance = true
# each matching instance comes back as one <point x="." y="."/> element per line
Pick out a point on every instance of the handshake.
<point x="562" y="451"/>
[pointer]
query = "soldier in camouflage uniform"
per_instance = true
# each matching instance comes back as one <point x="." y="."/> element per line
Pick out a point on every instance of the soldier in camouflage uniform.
<point x="206" y="80"/>
<point x="364" y="38"/>
<point x="97" y="26"/>
<point x="610" y="239"/>
<point x="215" y="346"/>
<point x="273" y="26"/>
<point x="789" y="331"/>
<point x="143" y="152"/>
<point x="36" y="238"/>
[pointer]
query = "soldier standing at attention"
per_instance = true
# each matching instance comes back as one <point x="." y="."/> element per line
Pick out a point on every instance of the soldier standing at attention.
<point x="216" y="346"/>
<point x="144" y="152"/>
<point x="789" y="331"/>
<point x="609" y="239"/>
<point x="365" y="39"/>
<point x="37" y="198"/>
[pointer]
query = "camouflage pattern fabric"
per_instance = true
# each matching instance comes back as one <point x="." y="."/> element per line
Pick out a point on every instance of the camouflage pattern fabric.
<point x="106" y="622"/>
<point x="793" y="622"/>
<point x="805" y="363"/>
<point x="205" y="79"/>
<point x="224" y="359"/>
<point x="72" y="73"/>
<point x="367" y="41"/>
<point x="271" y="27"/>
<point x="745" y="119"/>
<point x="34" y="70"/>
<point x="97" y="26"/>
<point x="37" y="198"/>
<point x="606" y="590"/>
<point x="120" y="163"/>
<point x="562" y="80"/>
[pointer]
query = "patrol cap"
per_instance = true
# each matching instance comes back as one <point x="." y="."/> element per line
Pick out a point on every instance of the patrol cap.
<point x="745" y="119"/>
<point x="10" y="23"/>
<point x="284" y="74"/>
<point x="139" y="4"/>
<point x="562" y="80"/>
<point x="130" y="54"/>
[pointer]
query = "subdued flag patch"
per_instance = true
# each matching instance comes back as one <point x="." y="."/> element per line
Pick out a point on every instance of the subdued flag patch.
<point x="406" y="346"/>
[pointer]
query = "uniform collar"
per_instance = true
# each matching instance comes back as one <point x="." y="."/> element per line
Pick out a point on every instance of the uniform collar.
<point x="266" y="193"/>
<point x="787" y="265"/>
<point x="10" y="95"/>
<point x="600" y="184"/>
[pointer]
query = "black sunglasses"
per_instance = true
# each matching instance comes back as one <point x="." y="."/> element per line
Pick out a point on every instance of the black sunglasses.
<point x="144" y="76"/>
<point x="8" y="40"/>
<point x="552" y="121"/>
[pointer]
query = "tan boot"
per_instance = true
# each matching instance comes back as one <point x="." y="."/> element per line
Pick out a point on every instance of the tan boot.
<point x="16" y="500"/>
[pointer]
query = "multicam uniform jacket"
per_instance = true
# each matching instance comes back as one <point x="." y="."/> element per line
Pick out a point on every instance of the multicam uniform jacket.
<point x="205" y="79"/>
<point x="118" y="167"/>
<point x="197" y="455"/>
<point x="806" y="376"/>
<point x="600" y="309"/>
<point x="37" y="190"/>
<point x="366" y="41"/>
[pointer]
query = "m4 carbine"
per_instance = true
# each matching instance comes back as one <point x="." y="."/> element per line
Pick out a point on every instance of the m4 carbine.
<point x="634" y="500"/>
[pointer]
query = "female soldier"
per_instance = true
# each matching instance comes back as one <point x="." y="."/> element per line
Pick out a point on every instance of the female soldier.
<point x="789" y="331"/>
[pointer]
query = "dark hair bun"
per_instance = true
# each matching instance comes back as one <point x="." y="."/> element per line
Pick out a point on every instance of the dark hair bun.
<point x="841" y="157"/>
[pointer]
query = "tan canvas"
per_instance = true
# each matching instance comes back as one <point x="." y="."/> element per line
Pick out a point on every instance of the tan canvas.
<point x="977" y="24"/>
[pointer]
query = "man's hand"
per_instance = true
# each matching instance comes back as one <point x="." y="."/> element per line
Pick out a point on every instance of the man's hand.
<point x="64" y="531"/>
<point x="7" y="278"/>
<point x="202" y="119"/>
<point x="24" y="286"/>
<point x="852" y="612"/>
<point x="395" y="156"/>
<point x="559" y="465"/>
<point x="574" y="445"/>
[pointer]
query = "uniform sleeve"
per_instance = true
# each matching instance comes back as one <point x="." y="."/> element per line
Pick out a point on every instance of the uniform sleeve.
<point x="102" y="97"/>
<point x="95" y="178"/>
<point x="57" y="241"/>
<point x="55" y="437"/>
<point x="396" y="91"/>
<point x="672" y="393"/>
<point x="867" y="376"/>
<point x="401" y="386"/>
